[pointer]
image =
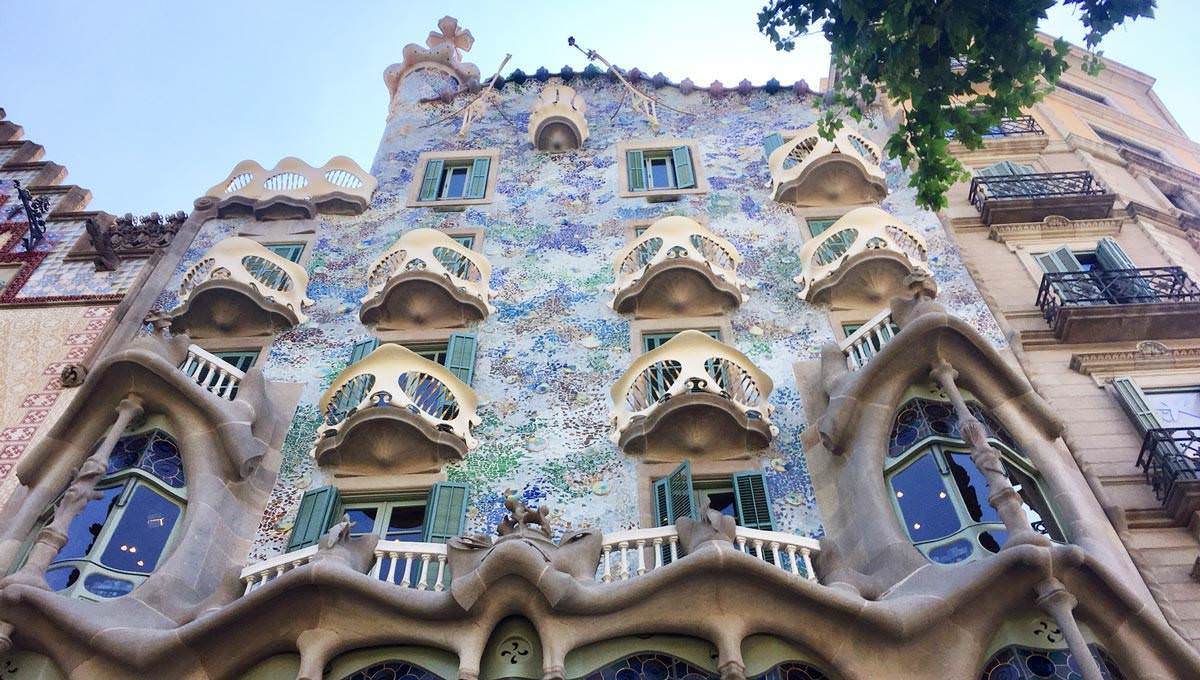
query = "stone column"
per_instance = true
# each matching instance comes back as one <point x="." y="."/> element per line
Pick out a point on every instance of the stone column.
<point x="1001" y="494"/>
<point x="82" y="489"/>
<point x="1054" y="599"/>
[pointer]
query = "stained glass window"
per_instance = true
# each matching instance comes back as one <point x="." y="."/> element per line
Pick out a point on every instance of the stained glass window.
<point x="650" y="666"/>
<point x="793" y="670"/>
<point x="393" y="670"/>
<point x="1026" y="663"/>
<point x="941" y="495"/>
<point x="119" y="538"/>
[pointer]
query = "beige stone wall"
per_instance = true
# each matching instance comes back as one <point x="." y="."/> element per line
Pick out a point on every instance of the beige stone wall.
<point x="35" y="344"/>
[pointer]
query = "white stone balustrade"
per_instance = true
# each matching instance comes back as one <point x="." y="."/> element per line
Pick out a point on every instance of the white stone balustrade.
<point x="868" y="340"/>
<point x="294" y="179"/>
<point x="421" y="566"/>
<point x="212" y="373"/>
<point x="861" y="235"/>
<point x="626" y="555"/>
<point x="558" y="121"/>
<point x="795" y="163"/>
<point x="396" y="377"/>
<point x="690" y="362"/>
<point x="271" y="277"/>
<point x="678" y="240"/>
<point x="433" y="252"/>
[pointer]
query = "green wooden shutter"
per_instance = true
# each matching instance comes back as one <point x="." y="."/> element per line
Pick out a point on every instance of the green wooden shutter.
<point x="635" y="165"/>
<point x="316" y="514"/>
<point x="673" y="496"/>
<point x="753" y="503"/>
<point x="460" y="356"/>
<point x="478" y="181"/>
<point x="446" y="512"/>
<point x="770" y="143"/>
<point x="362" y="349"/>
<point x="685" y="177"/>
<point x="1133" y="400"/>
<point x="1059" y="260"/>
<point x="1111" y="256"/>
<point x="433" y="177"/>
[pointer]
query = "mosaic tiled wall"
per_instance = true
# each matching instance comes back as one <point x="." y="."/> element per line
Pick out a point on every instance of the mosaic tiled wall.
<point x="554" y="347"/>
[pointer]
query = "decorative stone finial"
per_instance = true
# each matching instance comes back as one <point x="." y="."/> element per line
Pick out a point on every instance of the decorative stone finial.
<point x="450" y="33"/>
<point x="444" y="53"/>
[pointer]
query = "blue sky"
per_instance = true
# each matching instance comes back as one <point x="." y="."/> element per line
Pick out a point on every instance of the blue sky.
<point x="150" y="103"/>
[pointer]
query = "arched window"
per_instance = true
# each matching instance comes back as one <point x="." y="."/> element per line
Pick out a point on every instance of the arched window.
<point x="939" y="493"/>
<point x="793" y="670"/>
<point x="118" y="539"/>
<point x="650" y="666"/>
<point x="1017" y="662"/>
<point x="393" y="670"/>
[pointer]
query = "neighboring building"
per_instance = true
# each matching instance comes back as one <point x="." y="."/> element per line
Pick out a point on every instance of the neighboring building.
<point x="57" y="305"/>
<point x="603" y="376"/>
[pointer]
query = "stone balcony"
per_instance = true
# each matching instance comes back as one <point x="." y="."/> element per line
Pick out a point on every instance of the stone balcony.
<point x="427" y="280"/>
<point x="692" y="397"/>
<point x="863" y="257"/>
<point x="677" y="268"/>
<point x="809" y="170"/>
<point x="558" y="122"/>
<point x="239" y="288"/>
<point x="395" y="412"/>
<point x="294" y="189"/>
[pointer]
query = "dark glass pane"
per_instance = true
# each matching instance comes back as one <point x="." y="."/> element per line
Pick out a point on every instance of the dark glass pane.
<point x="107" y="586"/>
<point x="1035" y="506"/>
<point x="61" y="578"/>
<point x="925" y="506"/>
<point x="407" y="523"/>
<point x="392" y="670"/>
<point x="992" y="540"/>
<point x="723" y="502"/>
<point x="972" y="486"/>
<point x="142" y="533"/>
<point x="162" y="460"/>
<point x="86" y="526"/>
<point x="126" y="453"/>
<point x="942" y="419"/>
<point x="650" y="666"/>
<point x="954" y="551"/>
<point x="660" y="173"/>
<point x="456" y="183"/>
<point x="362" y="520"/>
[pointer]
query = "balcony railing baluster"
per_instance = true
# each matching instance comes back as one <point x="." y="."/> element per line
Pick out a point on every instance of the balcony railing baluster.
<point x="1033" y="185"/>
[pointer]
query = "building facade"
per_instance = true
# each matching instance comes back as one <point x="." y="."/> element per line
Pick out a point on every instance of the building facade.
<point x="597" y="375"/>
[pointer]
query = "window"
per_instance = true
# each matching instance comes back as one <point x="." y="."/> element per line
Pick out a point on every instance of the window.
<point x="742" y="496"/>
<point x="940" y="496"/>
<point x="455" y="180"/>
<point x="1153" y="409"/>
<point x="659" y="169"/>
<point x="1119" y="141"/>
<point x="1017" y="662"/>
<point x="1105" y="275"/>
<point x="288" y="251"/>
<point x="1085" y="93"/>
<point x="118" y="539"/>
<point x="420" y="517"/>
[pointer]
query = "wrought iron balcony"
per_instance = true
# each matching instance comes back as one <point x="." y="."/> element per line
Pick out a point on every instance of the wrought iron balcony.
<point x="865" y="254"/>
<point x="395" y="412"/>
<point x="677" y="268"/>
<point x="1170" y="455"/>
<point x="692" y="395"/>
<point x="1108" y="305"/>
<point x="1004" y="199"/>
<point x="1010" y="127"/>
<point x="809" y="170"/>
<point x="240" y="288"/>
<point x="427" y="280"/>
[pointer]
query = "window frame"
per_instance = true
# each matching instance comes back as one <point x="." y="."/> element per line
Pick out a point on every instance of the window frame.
<point x="385" y="503"/>
<point x="660" y="147"/>
<point x="640" y="328"/>
<point x="454" y="158"/>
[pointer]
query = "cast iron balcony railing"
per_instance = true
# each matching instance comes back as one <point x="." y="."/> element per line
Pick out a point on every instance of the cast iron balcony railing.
<point x="1008" y="127"/>
<point x="1169" y="455"/>
<point x="1114" y="287"/>
<point x="1033" y="185"/>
